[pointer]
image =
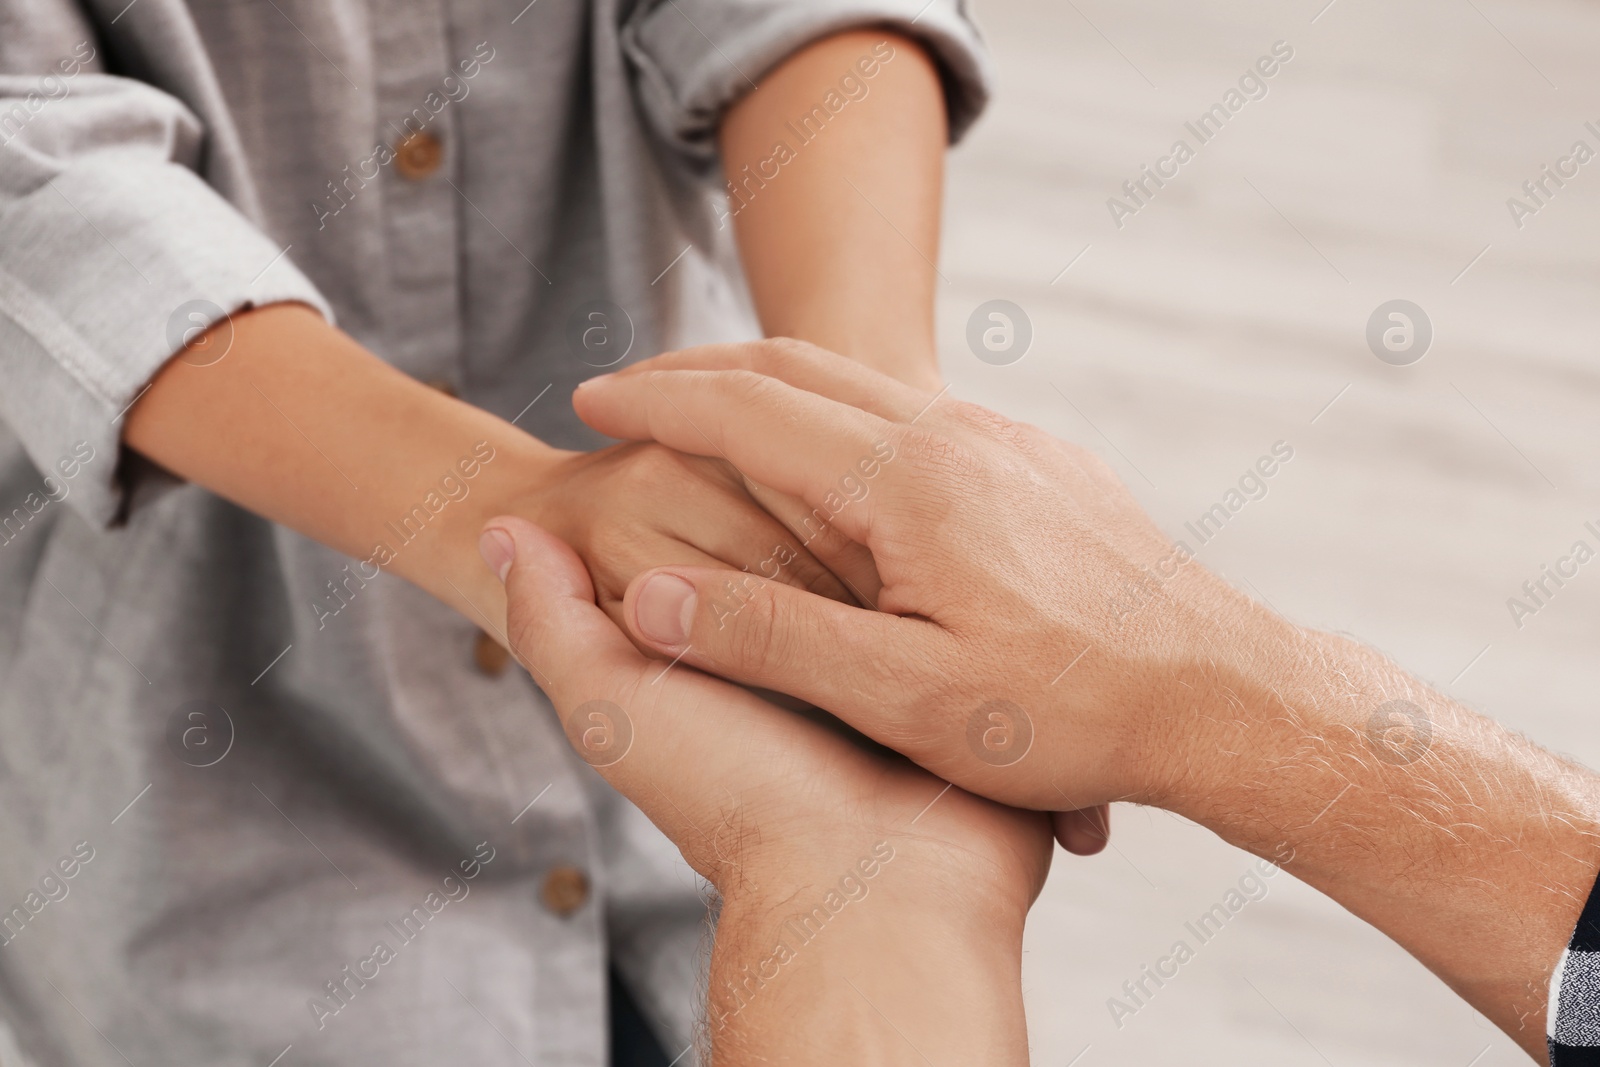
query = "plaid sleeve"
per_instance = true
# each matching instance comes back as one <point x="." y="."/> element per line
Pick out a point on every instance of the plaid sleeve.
<point x="1574" y="1015"/>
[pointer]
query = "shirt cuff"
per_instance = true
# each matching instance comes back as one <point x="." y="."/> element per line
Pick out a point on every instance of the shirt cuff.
<point x="105" y="270"/>
<point x="1573" y="1019"/>
<point x="694" y="58"/>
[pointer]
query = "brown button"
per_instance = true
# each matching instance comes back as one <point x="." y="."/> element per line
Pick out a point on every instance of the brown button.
<point x="418" y="155"/>
<point x="490" y="656"/>
<point x="442" y="386"/>
<point x="565" y="889"/>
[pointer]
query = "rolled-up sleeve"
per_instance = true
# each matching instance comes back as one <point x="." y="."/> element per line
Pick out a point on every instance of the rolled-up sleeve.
<point x="694" y="58"/>
<point x="112" y="249"/>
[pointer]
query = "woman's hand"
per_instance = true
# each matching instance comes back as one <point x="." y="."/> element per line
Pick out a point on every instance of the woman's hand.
<point x="320" y="435"/>
<point x="846" y="875"/>
<point x="631" y="507"/>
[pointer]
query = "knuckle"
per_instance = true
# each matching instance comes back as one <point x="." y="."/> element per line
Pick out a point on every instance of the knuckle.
<point x="937" y="454"/>
<point x="783" y="353"/>
<point x="616" y="544"/>
<point x="521" y="633"/>
<point x="653" y="465"/>
<point x="990" y="424"/>
<point x="758" y="638"/>
<point x="747" y="386"/>
<point x="1038" y="443"/>
<point x="825" y="539"/>
<point x="810" y="575"/>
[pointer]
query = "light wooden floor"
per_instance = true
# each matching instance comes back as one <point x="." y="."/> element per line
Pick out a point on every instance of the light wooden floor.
<point x="1224" y="317"/>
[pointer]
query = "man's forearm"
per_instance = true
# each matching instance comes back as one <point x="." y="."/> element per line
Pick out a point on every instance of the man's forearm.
<point x="298" y="423"/>
<point x="1471" y="847"/>
<point x="1045" y="635"/>
<point x="835" y="169"/>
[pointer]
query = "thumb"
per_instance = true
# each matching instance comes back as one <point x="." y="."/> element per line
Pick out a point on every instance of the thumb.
<point x="859" y="664"/>
<point x="553" y="626"/>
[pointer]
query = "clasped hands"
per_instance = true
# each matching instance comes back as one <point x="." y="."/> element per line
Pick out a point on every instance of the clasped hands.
<point x="996" y="629"/>
<point x="1018" y="639"/>
<point x="999" y="671"/>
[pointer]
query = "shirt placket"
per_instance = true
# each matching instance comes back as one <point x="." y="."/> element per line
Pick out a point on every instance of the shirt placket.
<point x="420" y="203"/>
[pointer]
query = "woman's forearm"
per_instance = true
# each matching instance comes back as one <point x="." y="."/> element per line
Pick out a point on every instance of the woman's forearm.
<point x="298" y="423"/>
<point x="835" y="170"/>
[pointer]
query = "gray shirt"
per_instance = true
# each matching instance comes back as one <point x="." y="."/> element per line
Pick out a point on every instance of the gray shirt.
<point x="233" y="828"/>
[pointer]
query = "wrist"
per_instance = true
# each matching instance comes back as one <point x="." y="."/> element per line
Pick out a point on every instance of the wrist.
<point x="1191" y="653"/>
<point x="503" y="462"/>
<point x="1247" y="712"/>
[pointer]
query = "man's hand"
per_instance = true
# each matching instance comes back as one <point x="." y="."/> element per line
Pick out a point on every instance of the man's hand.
<point x="1024" y="599"/>
<point x="846" y="876"/>
<point x="1041" y="642"/>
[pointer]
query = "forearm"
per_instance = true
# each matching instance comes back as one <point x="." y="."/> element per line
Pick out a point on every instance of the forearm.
<point x="837" y="213"/>
<point x="1083" y="650"/>
<point x="898" y="977"/>
<point x="303" y="426"/>
<point x="1471" y="847"/>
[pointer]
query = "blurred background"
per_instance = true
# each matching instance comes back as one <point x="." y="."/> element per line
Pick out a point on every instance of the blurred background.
<point x="1231" y="312"/>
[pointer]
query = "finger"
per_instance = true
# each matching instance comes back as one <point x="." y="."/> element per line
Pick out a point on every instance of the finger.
<point x="738" y="543"/>
<point x="804" y="366"/>
<point x="636" y="724"/>
<point x="613" y="568"/>
<point x="552" y="622"/>
<point x="782" y="437"/>
<point x="850" y="562"/>
<point x="747" y="537"/>
<point x="765" y="634"/>
<point x="613" y="565"/>
<point x="578" y="655"/>
<point x="1083" y="832"/>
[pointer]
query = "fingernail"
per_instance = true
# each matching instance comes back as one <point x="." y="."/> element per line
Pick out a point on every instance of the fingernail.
<point x="1097" y="823"/>
<point x="590" y="381"/>
<point x="665" y="609"/>
<point x="497" y="550"/>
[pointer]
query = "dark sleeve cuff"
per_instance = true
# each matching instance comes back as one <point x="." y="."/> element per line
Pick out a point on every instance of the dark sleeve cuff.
<point x="1573" y="1020"/>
